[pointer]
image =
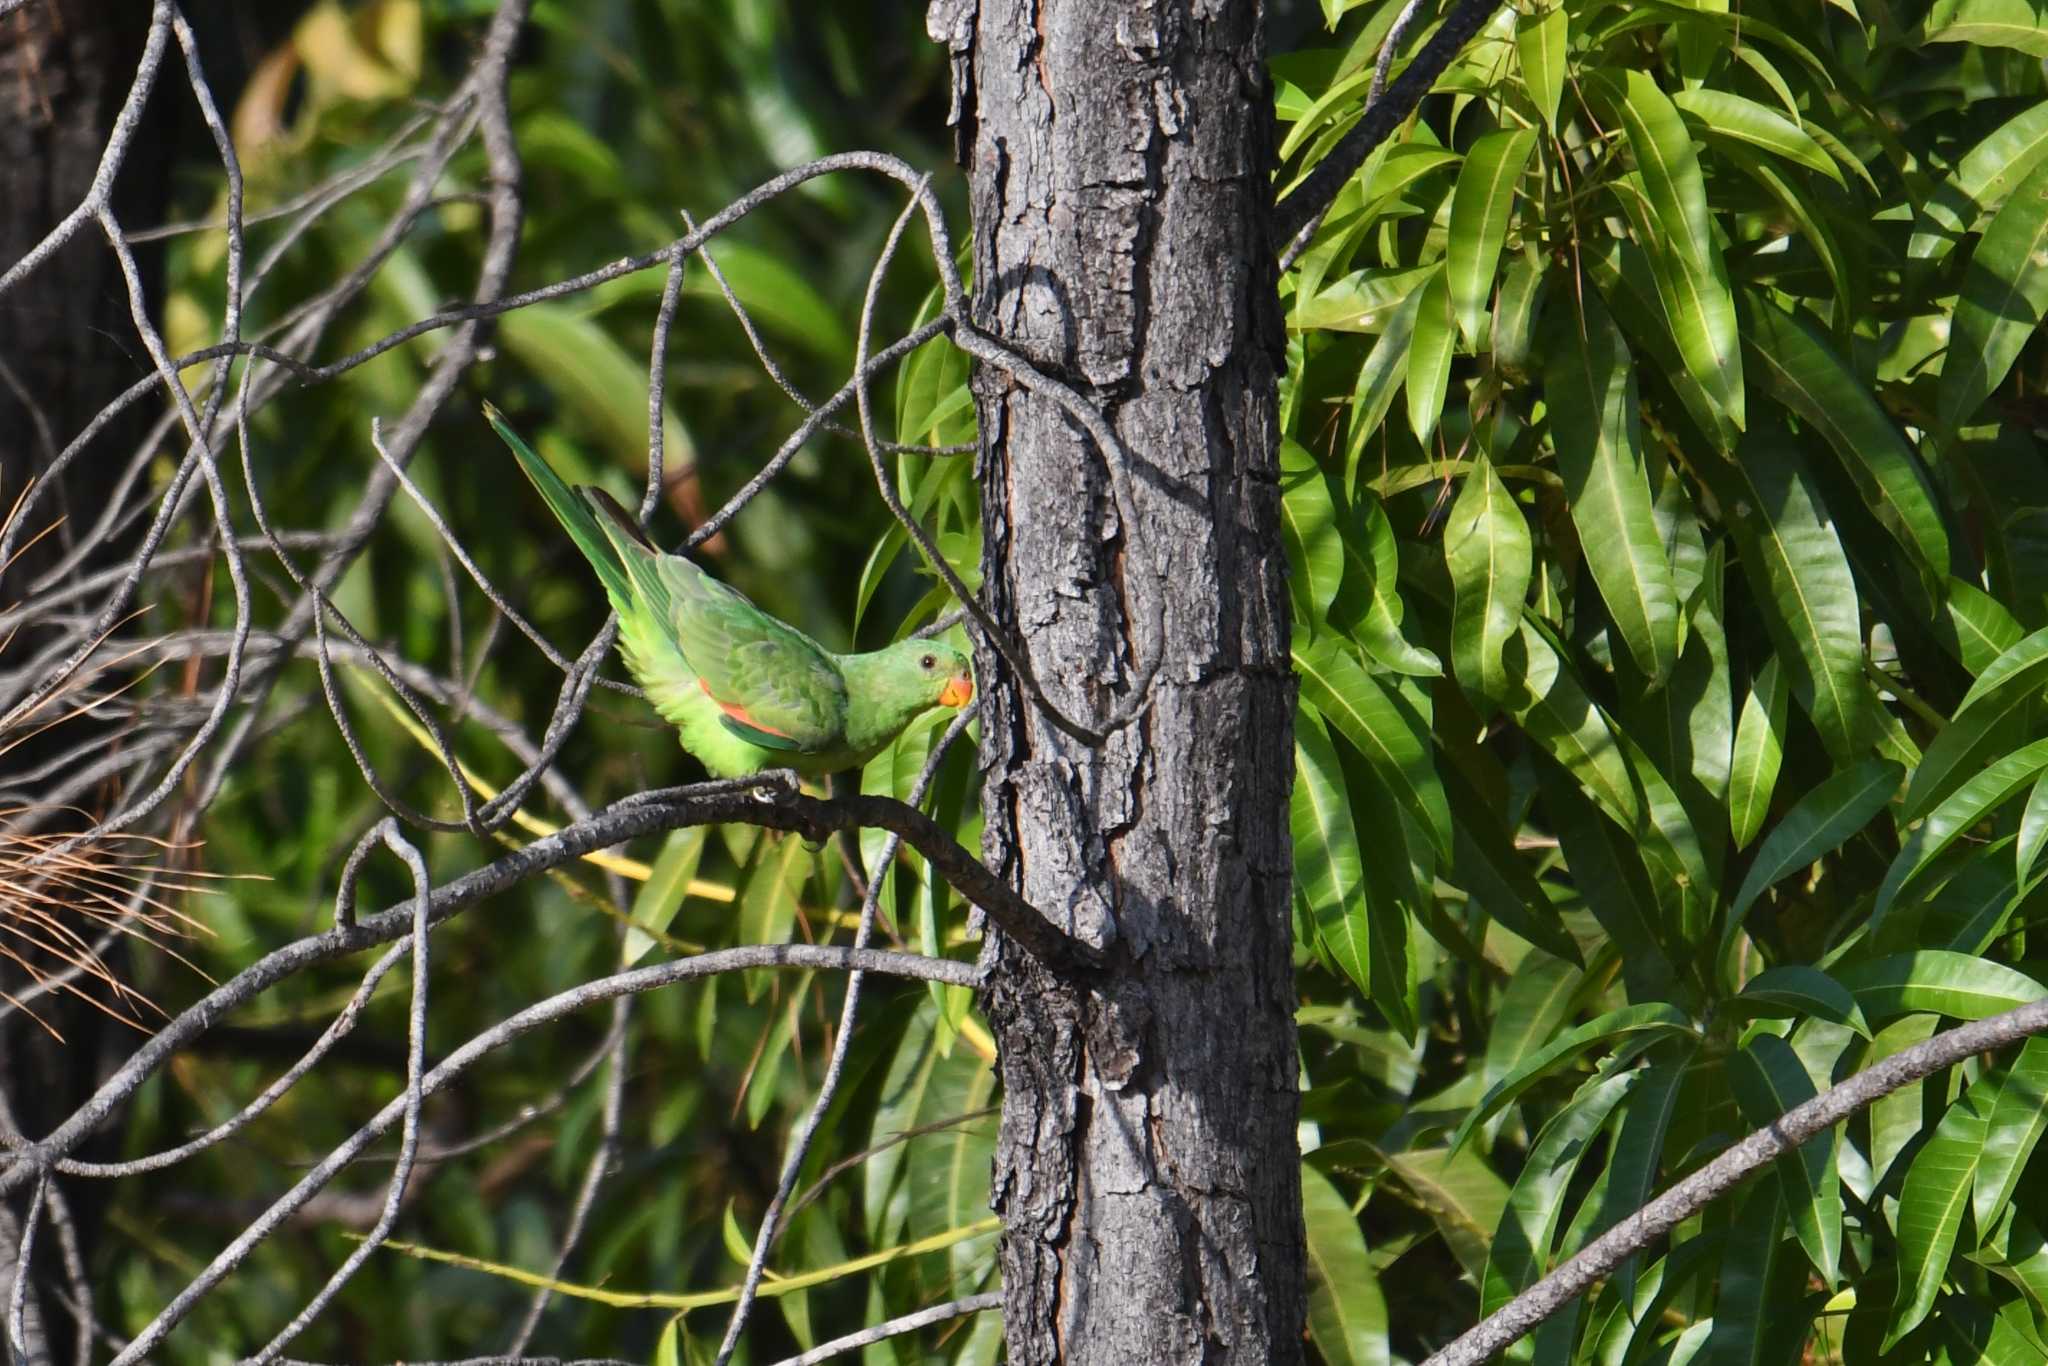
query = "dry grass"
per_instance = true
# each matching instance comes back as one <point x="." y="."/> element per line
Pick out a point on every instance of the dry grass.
<point x="67" y="890"/>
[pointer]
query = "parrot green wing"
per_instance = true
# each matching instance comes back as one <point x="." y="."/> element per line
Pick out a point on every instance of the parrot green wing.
<point x="774" y="685"/>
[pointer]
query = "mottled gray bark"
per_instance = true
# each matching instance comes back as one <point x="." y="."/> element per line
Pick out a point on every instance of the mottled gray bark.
<point x="1147" y="1170"/>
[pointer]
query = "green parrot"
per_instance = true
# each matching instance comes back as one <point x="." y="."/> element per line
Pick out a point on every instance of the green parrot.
<point x="748" y="692"/>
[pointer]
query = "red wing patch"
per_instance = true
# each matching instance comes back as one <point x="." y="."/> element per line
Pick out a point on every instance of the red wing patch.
<point x="739" y="714"/>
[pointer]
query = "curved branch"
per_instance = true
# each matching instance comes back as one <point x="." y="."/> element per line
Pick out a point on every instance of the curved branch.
<point x="1520" y="1316"/>
<point x="708" y="804"/>
<point x="1381" y="118"/>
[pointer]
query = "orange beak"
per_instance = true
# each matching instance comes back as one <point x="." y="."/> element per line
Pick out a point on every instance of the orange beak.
<point x="958" y="692"/>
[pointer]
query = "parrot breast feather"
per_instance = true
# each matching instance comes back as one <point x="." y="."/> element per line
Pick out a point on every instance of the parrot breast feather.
<point x="776" y="686"/>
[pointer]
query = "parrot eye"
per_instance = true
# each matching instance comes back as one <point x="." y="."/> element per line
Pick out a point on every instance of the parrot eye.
<point x="927" y="662"/>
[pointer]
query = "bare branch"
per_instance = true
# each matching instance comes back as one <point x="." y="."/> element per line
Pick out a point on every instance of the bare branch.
<point x="1313" y="195"/>
<point x="908" y="1323"/>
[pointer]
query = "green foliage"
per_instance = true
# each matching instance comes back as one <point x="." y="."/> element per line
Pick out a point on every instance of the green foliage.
<point x="1717" y="493"/>
<point x="1664" y="495"/>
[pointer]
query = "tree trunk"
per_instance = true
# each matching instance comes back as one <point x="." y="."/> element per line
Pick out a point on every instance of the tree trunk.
<point x="68" y="346"/>
<point x="1147" y="1170"/>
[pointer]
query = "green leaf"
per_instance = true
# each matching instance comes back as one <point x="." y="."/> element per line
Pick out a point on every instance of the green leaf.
<point x="1380" y="377"/>
<point x="1540" y="37"/>
<point x="1806" y="375"/>
<point x="1965" y="745"/>
<point x="1768" y="1080"/>
<point x="1488" y="867"/>
<point x="1759" y="751"/>
<point x="1757" y="1310"/>
<point x="1982" y="179"/>
<point x="1523" y="1243"/>
<point x="2017" y="1120"/>
<point x="1716" y="113"/>
<point x="1653" y="1017"/>
<point x="1487" y="547"/>
<point x="1795" y="990"/>
<point x="1561" y="718"/>
<point x="2033" y="830"/>
<point x="1459" y="1192"/>
<point x="1515" y="311"/>
<point x="1369" y="601"/>
<point x="1385" y="729"/>
<point x="1801" y="579"/>
<point x="1691" y="277"/>
<point x="1931" y="1204"/>
<point x="606" y="387"/>
<point x="1347" y="1315"/>
<point x="1839" y="807"/>
<point x="1977" y="628"/>
<point x="1939" y="982"/>
<point x="2021" y="667"/>
<point x="1590" y="386"/>
<point x="1363" y="301"/>
<point x="1480" y="208"/>
<point x="1308" y="526"/>
<point x="1537" y="1000"/>
<point x="661" y="896"/>
<point x="2017" y="24"/>
<point x="1966" y="806"/>
<point x="1328" y="873"/>
<point x="2004" y="300"/>
<point x="1429" y="358"/>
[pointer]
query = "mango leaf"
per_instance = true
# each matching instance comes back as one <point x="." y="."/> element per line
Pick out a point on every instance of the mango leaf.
<point x="1973" y="739"/>
<point x="1802" y="581"/>
<point x="1717" y="113"/>
<point x="2017" y="24"/>
<point x="1793" y="990"/>
<point x="1368" y="604"/>
<point x="1383" y="727"/>
<point x="1969" y="804"/>
<point x="1757" y="1308"/>
<point x="1977" y="628"/>
<point x="1836" y="809"/>
<point x="1379" y="378"/>
<point x="1540" y="37"/>
<point x="1938" y="982"/>
<point x="1522" y="1245"/>
<point x="1590" y="386"/>
<point x="1308" y="526"/>
<point x="1691" y="277"/>
<point x="1652" y="1017"/>
<point x="1480" y="207"/>
<point x="2021" y="667"/>
<point x="1499" y="878"/>
<point x="2015" y="1123"/>
<point x="1759" y="751"/>
<point x="1931" y="1204"/>
<point x="1347" y="1315"/>
<point x="1328" y="873"/>
<point x="1537" y="1000"/>
<point x="1768" y="1079"/>
<point x="2033" y="830"/>
<point x="2004" y="300"/>
<point x="1429" y="358"/>
<point x="1459" y="1192"/>
<point x="1806" y="375"/>
<point x="1981" y="180"/>
<point x="1515" y="311"/>
<point x="1487" y="548"/>
<point x="661" y="896"/>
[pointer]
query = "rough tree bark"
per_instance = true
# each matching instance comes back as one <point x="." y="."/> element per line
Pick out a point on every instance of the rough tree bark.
<point x="1147" y="1169"/>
